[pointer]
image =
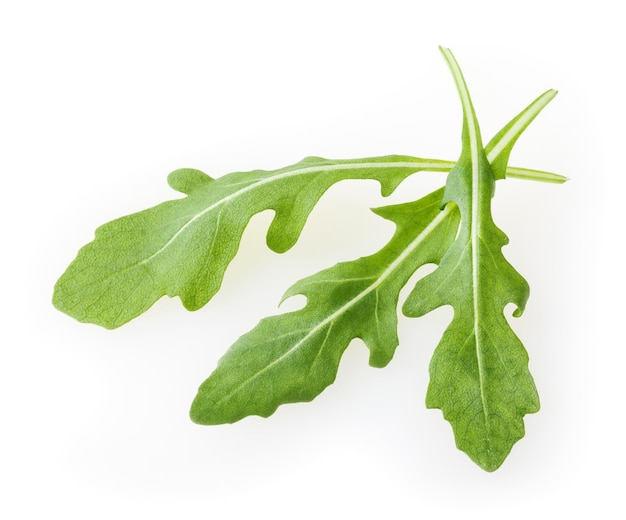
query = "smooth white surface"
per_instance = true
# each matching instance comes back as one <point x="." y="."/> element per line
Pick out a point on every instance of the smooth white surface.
<point x="100" y="101"/>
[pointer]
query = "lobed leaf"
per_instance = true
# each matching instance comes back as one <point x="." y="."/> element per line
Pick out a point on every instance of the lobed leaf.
<point x="183" y="247"/>
<point x="479" y="371"/>
<point x="294" y="356"/>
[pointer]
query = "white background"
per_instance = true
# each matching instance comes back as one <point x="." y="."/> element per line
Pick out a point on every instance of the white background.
<point x="99" y="101"/>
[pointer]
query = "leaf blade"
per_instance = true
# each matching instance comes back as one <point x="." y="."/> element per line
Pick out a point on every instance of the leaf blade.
<point x="479" y="371"/>
<point x="121" y="273"/>
<point x="293" y="357"/>
<point x="183" y="247"/>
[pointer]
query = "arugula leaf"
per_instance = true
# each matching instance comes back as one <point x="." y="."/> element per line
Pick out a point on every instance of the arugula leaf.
<point x="293" y="357"/>
<point x="183" y="247"/>
<point x="479" y="371"/>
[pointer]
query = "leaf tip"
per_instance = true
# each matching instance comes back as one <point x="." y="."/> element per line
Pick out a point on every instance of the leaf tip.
<point x="195" y="414"/>
<point x="200" y="411"/>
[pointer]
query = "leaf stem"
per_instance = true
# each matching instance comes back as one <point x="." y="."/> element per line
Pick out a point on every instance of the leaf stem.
<point x="513" y="172"/>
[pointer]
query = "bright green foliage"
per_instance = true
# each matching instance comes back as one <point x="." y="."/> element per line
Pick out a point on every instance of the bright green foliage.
<point x="479" y="372"/>
<point x="293" y="357"/>
<point x="183" y="247"/>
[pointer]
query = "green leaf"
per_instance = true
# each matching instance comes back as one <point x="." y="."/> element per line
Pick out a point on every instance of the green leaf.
<point x="479" y="372"/>
<point x="293" y="357"/>
<point x="183" y="247"/>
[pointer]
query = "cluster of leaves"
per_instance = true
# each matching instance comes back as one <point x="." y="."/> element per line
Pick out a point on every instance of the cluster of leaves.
<point x="479" y="371"/>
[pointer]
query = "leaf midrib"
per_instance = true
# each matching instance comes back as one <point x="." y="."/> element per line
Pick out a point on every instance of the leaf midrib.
<point x="475" y="146"/>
